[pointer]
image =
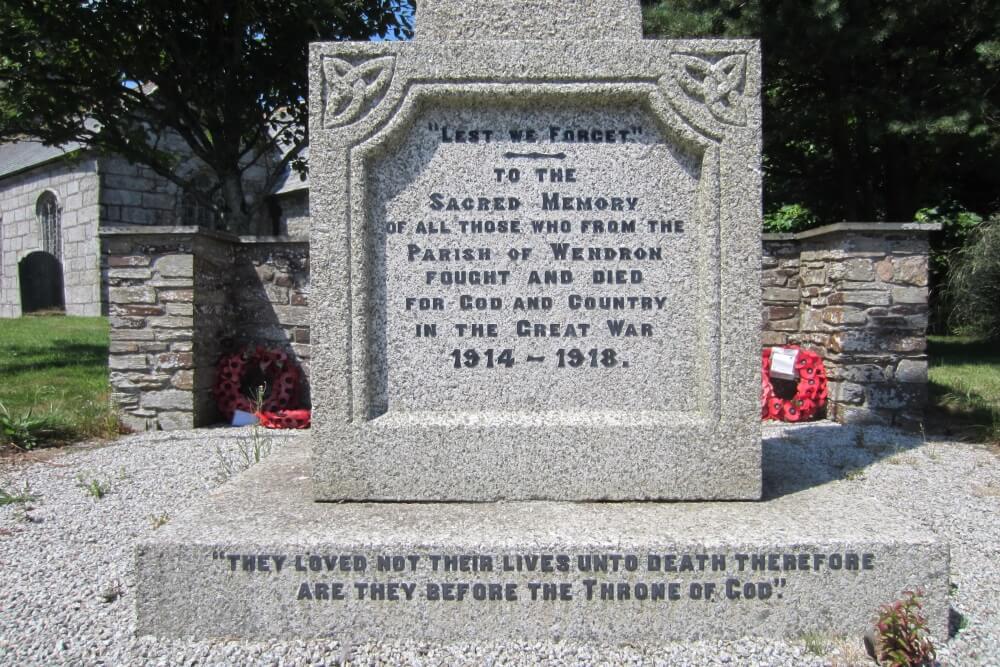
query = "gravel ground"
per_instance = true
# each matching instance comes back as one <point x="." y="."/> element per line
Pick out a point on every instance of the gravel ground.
<point x="66" y="572"/>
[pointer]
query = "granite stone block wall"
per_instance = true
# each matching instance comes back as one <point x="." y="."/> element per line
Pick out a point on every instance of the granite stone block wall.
<point x="132" y="194"/>
<point x="855" y="293"/>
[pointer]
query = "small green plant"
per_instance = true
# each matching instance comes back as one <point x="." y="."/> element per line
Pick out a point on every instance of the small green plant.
<point x="788" y="219"/>
<point x="25" y="496"/>
<point x="901" y="637"/>
<point x="249" y="451"/>
<point x="93" y="486"/>
<point x="815" y="643"/>
<point x="159" y="520"/>
<point x="854" y="474"/>
<point x="21" y="430"/>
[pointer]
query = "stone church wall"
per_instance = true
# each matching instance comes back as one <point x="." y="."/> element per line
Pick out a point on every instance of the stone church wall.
<point x="76" y="186"/>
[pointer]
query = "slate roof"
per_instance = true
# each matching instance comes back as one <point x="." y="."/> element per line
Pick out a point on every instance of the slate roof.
<point x="290" y="181"/>
<point x="20" y="155"/>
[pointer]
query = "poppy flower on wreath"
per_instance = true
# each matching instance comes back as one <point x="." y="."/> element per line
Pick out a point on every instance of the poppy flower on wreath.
<point x="280" y="406"/>
<point x="810" y="390"/>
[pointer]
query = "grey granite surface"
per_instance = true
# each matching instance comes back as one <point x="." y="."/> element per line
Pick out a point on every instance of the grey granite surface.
<point x="69" y="577"/>
<point x="528" y="19"/>
<point x="606" y="346"/>
<point x="258" y="558"/>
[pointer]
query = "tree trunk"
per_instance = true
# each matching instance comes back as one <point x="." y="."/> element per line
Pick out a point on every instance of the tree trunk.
<point x="235" y="215"/>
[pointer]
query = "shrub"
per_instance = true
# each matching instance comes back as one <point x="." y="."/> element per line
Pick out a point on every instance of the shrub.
<point x="901" y="636"/>
<point x="956" y="224"/>
<point x="788" y="219"/>
<point x="22" y="430"/>
<point x="973" y="286"/>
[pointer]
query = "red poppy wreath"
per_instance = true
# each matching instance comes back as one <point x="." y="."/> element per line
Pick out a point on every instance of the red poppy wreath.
<point x="272" y="368"/>
<point x="810" y="390"/>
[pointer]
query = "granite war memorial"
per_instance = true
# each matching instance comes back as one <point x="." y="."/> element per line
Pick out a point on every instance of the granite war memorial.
<point x="536" y="270"/>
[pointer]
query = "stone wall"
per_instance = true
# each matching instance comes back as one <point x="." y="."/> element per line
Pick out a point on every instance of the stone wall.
<point x="180" y="297"/>
<point x="293" y="213"/>
<point x="98" y="193"/>
<point x="855" y="293"/>
<point x="75" y="185"/>
<point x="270" y="296"/>
<point x="132" y="194"/>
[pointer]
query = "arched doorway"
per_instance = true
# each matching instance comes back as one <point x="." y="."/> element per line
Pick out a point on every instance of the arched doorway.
<point x="41" y="278"/>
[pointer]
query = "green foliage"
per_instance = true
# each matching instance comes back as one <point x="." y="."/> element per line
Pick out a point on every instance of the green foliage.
<point x="56" y="370"/>
<point x="903" y="638"/>
<point x="815" y="643"/>
<point x="25" y="496"/>
<point x="93" y="487"/>
<point x="872" y="110"/>
<point x="956" y="224"/>
<point x="964" y="389"/>
<point x="789" y="218"/>
<point x="249" y="451"/>
<point x="21" y="430"/>
<point x="974" y="282"/>
<point x="225" y="79"/>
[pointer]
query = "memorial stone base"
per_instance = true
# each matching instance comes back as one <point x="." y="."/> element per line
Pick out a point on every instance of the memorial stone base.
<point x="260" y="559"/>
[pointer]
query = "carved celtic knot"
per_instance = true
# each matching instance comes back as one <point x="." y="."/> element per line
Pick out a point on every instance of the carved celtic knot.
<point x="353" y="90"/>
<point x="718" y="85"/>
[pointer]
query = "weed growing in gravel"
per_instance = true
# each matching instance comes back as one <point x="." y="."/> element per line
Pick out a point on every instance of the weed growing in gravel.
<point x="93" y="487"/>
<point x="854" y="474"/>
<point x="815" y="643"/>
<point x="159" y="520"/>
<point x="22" y="430"/>
<point x="249" y="451"/>
<point x="901" y="459"/>
<point x="901" y="637"/>
<point x="25" y="496"/>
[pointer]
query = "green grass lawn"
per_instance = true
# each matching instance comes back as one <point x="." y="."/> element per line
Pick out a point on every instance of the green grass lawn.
<point x="57" y="367"/>
<point x="965" y="386"/>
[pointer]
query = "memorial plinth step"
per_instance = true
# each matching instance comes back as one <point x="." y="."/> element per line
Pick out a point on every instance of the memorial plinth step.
<point x="259" y="558"/>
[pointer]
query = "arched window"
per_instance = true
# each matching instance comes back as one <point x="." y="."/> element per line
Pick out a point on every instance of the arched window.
<point x="49" y="217"/>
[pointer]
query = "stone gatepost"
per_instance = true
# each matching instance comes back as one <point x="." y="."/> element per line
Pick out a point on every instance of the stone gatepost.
<point x="169" y="313"/>
<point x="855" y="293"/>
